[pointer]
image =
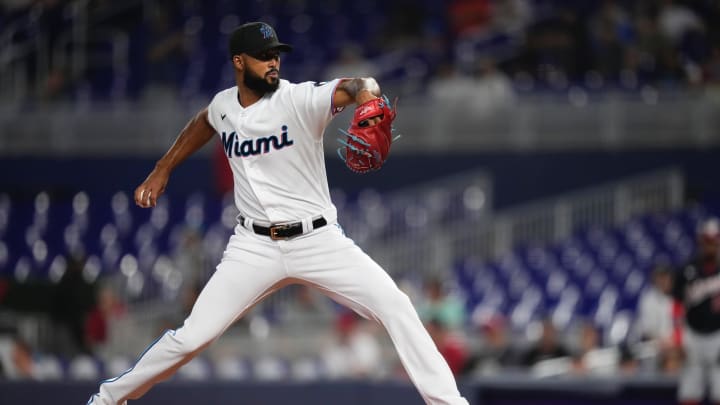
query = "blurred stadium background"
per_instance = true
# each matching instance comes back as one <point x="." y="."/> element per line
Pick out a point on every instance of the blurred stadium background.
<point x="556" y="157"/>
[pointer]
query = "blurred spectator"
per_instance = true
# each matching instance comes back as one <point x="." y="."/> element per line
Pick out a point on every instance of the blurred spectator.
<point x="643" y="55"/>
<point x="404" y="26"/>
<point x="495" y="350"/>
<point x="167" y="50"/>
<point x="492" y="90"/>
<point x="591" y="357"/>
<point x="547" y="347"/>
<point x="671" y="361"/>
<point x="98" y="321"/>
<point x="654" y="312"/>
<point x="555" y="49"/>
<point x="711" y="69"/>
<point x="17" y="360"/>
<point x="451" y="88"/>
<point x="511" y="16"/>
<point x="73" y="299"/>
<point x="438" y="305"/>
<point x="468" y="17"/>
<point x="307" y="305"/>
<point x="649" y="41"/>
<point x="628" y="363"/>
<point x="450" y="345"/>
<point x="351" y="63"/>
<point x="697" y="291"/>
<point x="610" y="29"/>
<point x="677" y="20"/>
<point x="355" y="353"/>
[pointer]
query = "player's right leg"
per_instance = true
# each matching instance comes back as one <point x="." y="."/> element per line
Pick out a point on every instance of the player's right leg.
<point x="330" y="261"/>
<point x="250" y="269"/>
<point x="691" y="384"/>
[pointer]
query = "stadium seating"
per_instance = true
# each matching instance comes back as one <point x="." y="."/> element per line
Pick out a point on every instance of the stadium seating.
<point x="597" y="273"/>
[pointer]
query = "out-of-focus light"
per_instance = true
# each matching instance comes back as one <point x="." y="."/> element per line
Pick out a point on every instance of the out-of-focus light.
<point x="42" y="203"/>
<point x="649" y="95"/>
<point x="594" y="79"/>
<point x="91" y="270"/>
<point x="128" y="265"/>
<point x="229" y="23"/>
<point x="80" y="203"/>
<point x="22" y="269"/>
<point x="577" y="96"/>
<point x="474" y="198"/>
<point x="40" y="251"/>
<point x="259" y="328"/>
<point x="57" y="268"/>
<point x="301" y="23"/>
<point x="193" y="25"/>
<point x="120" y="203"/>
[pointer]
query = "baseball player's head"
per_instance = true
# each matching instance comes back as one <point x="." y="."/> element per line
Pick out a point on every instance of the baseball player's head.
<point x="255" y="53"/>
<point x="709" y="239"/>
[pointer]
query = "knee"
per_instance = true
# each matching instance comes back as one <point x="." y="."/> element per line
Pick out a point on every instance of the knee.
<point x="394" y="304"/>
<point x="188" y="341"/>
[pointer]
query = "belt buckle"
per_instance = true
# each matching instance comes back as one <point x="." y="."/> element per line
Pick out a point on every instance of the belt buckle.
<point x="274" y="229"/>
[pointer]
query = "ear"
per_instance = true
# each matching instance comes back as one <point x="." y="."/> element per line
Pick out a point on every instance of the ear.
<point x="238" y="62"/>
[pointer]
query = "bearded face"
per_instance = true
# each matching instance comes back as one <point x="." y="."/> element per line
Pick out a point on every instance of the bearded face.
<point x="262" y="85"/>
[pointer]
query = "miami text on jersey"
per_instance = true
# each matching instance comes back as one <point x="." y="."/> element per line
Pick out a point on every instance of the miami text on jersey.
<point x="251" y="147"/>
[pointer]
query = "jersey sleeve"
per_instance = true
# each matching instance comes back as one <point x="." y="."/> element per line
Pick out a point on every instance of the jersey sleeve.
<point x="313" y="103"/>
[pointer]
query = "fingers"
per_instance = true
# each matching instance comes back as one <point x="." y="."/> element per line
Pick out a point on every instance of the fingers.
<point x="371" y="121"/>
<point x="145" y="197"/>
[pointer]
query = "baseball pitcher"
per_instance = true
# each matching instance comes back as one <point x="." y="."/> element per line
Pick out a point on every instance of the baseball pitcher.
<point x="287" y="231"/>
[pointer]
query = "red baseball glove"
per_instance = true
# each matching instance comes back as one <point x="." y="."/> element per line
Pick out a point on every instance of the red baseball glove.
<point x="365" y="147"/>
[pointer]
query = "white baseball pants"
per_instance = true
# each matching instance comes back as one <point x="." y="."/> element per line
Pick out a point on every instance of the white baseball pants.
<point x="252" y="267"/>
<point x="701" y="369"/>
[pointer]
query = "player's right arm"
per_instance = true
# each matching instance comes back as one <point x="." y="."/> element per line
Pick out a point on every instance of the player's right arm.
<point x="194" y="136"/>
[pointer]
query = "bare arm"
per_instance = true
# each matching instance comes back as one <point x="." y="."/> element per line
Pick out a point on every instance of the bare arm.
<point x="357" y="90"/>
<point x="194" y="136"/>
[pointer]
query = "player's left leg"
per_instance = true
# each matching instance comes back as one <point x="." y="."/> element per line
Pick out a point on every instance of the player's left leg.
<point x="332" y="262"/>
<point x="692" y="381"/>
<point x="713" y="346"/>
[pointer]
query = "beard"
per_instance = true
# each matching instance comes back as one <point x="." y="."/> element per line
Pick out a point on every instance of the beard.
<point x="259" y="84"/>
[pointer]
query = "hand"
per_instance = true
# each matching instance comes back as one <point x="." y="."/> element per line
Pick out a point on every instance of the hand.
<point x="363" y="97"/>
<point x="147" y="193"/>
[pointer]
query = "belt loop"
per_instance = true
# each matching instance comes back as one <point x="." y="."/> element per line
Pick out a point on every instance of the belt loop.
<point x="330" y="215"/>
<point x="307" y="225"/>
<point x="248" y="223"/>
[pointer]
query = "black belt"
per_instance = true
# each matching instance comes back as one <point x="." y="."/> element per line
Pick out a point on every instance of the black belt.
<point x="284" y="231"/>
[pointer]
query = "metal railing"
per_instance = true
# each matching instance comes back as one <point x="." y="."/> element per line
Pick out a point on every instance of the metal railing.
<point x="434" y="249"/>
<point x="26" y="66"/>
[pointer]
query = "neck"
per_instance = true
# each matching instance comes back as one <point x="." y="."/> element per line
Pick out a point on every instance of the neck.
<point x="247" y="96"/>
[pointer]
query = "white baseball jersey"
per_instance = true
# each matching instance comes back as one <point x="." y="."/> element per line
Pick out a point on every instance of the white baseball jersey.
<point x="275" y="149"/>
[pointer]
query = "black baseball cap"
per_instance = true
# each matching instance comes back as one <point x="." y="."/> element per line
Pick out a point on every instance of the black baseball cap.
<point x="253" y="38"/>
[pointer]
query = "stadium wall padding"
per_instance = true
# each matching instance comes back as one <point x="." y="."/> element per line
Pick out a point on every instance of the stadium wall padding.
<point x="518" y="176"/>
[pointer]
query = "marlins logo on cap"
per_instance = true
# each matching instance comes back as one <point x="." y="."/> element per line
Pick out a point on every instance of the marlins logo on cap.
<point x="266" y="31"/>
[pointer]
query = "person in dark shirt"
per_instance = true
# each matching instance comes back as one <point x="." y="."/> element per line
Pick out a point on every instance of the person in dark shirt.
<point x="696" y="290"/>
<point x="548" y="347"/>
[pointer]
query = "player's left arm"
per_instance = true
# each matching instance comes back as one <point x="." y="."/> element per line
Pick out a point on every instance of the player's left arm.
<point x="358" y="90"/>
